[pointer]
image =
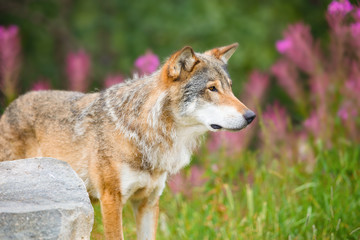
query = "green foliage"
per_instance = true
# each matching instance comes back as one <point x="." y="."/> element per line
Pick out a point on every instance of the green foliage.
<point x="253" y="198"/>
<point x="249" y="196"/>
<point x="116" y="32"/>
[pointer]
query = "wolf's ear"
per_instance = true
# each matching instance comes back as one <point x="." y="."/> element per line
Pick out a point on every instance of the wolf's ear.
<point x="184" y="59"/>
<point x="223" y="53"/>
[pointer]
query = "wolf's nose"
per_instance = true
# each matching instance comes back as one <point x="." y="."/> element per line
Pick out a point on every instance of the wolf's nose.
<point x="249" y="116"/>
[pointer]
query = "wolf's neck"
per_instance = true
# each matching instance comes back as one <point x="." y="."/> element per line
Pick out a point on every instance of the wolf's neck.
<point x="142" y="113"/>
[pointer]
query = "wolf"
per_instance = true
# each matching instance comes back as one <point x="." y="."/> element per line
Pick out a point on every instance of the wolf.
<point x="124" y="141"/>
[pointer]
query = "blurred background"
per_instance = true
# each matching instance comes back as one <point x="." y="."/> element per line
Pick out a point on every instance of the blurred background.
<point x="114" y="33"/>
<point x="293" y="174"/>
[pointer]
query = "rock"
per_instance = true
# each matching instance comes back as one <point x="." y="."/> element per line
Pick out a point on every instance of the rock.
<point x="43" y="198"/>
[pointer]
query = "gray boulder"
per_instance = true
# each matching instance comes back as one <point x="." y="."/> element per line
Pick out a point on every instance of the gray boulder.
<point x="43" y="198"/>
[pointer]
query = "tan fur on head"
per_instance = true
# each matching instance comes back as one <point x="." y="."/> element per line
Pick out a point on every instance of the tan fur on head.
<point x="124" y="141"/>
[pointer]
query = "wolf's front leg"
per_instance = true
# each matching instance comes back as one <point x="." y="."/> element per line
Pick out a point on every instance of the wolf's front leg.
<point x="146" y="216"/>
<point x="111" y="209"/>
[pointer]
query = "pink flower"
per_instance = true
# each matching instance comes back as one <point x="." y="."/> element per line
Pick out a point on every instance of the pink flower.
<point x="347" y="110"/>
<point x="287" y="76"/>
<point x="9" y="59"/>
<point x="275" y="119"/>
<point x="349" y="115"/>
<point x="232" y="142"/>
<point x="197" y="176"/>
<point x="343" y="114"/>
<point x="41" y="85"/>
<point x="176" y="183"/>
<point x="357" y="14"/>
<point x="302" y="51"/>
<point x="180" y="183"/>
<point x="283" y="45"/>
<point x="255" y="88"/>
<point x="215" y="141"/>
<point x="113" y="79"/>
<point x="313" y="123"/>
<point x="9" y="47"/>
<point x="275" y="132"/>
<point x="339" y="7"/>
<point x="351" y="87"/>
<point x="336" y="13"/>
<point x="77" y="70"/>
<point x="319" y="86"/>
<point x="355" y="30"/>
<point x="352" y="84"/>
<point x="147" y="64"/>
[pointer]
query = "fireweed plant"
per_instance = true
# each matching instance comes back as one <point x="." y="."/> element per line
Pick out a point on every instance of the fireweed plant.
<point x="9" y="61"/>
<point x="322" y="82"/>
<point x="300" y="178"/>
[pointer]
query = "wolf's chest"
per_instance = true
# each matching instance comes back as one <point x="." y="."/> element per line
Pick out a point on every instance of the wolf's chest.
<point x="139" y="184"/>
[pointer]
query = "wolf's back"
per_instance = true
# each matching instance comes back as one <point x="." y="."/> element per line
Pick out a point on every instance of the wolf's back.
<point x="31" y="113"/>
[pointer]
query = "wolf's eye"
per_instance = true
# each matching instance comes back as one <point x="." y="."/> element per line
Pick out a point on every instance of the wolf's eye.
<point x="213" y="89"/>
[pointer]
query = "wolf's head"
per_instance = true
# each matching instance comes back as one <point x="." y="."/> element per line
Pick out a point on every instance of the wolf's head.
<point x="200" y="90"/>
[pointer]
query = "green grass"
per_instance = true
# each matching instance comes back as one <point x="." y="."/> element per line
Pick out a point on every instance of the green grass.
<point x="252" y="197"/>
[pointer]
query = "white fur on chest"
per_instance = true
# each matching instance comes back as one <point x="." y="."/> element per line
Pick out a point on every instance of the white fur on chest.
<point x="177" y="157"/>
<point x="140" y="184"/>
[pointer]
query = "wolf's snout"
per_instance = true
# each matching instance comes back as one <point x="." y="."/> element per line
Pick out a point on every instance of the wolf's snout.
<point x="249" y="116"/>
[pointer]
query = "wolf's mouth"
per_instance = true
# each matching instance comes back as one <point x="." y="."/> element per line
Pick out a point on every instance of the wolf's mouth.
<point x="218" y="127"/>
<point x="215" y="126"/>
